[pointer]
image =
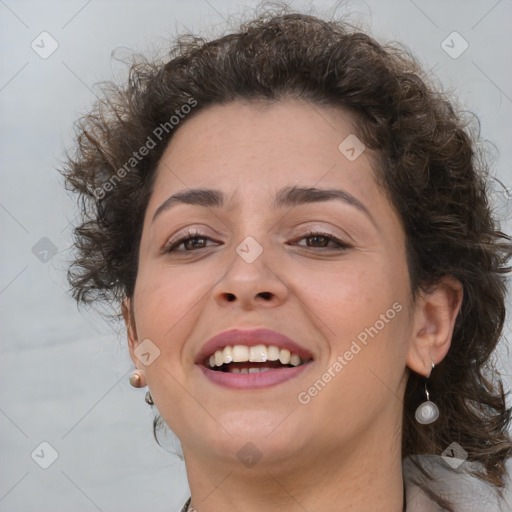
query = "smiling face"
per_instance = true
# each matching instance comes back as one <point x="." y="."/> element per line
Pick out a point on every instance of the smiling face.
<point x="326" y="270"/>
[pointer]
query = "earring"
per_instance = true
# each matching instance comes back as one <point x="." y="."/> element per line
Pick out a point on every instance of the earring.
<point x="137" y="378"/>
<point x="427" y="412"/>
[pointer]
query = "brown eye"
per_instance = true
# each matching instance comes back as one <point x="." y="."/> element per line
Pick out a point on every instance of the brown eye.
<point x="191" y="241"/>
<point x="321" y="241"/>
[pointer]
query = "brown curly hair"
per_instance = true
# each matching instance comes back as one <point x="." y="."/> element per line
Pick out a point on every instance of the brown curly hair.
<point x="428" y="166"/>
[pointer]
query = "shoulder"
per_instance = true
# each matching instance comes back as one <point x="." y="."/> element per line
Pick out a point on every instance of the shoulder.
<point x="452" y="481"/>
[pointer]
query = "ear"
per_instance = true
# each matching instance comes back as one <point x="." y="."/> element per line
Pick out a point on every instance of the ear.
<point x="434" y="320"/>
<point x="131" y="328"/>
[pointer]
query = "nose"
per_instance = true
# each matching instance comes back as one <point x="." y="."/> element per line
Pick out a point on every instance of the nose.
<point x="251" y="283"/>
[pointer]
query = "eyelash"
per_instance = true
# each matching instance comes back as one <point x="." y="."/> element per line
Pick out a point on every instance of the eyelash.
<point x="191" y="235"/>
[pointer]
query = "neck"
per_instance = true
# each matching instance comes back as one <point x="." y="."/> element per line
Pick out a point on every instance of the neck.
<point x="363" y="477"/>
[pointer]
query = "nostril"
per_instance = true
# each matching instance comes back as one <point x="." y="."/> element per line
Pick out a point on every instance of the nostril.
<point x="231" y="297"/>
<point x="266" y="295"/>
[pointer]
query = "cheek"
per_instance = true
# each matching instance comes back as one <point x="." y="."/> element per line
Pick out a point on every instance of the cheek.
<point x="345" y="299"/>
<point x="166" y="302"/>
<point x="360" y="310"/>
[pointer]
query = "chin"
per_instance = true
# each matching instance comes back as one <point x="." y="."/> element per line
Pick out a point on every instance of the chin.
<point x="258" y="434"/>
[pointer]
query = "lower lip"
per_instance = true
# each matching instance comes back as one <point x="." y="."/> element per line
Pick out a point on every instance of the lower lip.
<point x="253" y="380"/>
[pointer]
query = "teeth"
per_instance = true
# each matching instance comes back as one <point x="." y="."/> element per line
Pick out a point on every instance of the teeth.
<point x="284" y="356"/>
<point x="255" y="354"/>
<point x="272" y="353"/>
<point x="248" y="370"/>
<point x="219" y="358"/>
<point x="294" y="360"/>
<point x="240" y="353"/>
<point x="228" y="355"/>
<point x="258" y="354"/>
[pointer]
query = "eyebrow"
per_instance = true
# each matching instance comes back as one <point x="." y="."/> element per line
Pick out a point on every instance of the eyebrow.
<point x="286" y="197"/>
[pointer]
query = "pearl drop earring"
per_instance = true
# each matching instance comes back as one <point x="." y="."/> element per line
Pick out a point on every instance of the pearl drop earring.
<point x="427" y="412"/>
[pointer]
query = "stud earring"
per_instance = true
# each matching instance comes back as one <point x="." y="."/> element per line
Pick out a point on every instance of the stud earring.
<point x="137" y="378"/>
<point x="427" y="412"/>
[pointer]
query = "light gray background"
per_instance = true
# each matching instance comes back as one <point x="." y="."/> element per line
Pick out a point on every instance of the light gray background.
<point x="63" y="373"/>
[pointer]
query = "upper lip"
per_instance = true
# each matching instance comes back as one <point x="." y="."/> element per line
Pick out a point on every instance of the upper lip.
<point x="250" y="338"/>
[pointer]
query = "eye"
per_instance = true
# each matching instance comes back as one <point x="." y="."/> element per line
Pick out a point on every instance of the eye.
<point x="321" y="240"/>
<point x="194" y="240"/>
<point x="191" y="241"/>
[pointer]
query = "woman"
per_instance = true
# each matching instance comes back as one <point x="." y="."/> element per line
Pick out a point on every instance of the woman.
<point x="295" y="227"/>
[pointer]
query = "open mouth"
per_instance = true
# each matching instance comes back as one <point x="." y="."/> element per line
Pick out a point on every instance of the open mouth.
<point x="258" y="358"/>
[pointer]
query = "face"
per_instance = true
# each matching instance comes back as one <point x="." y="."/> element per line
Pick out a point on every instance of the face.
<point x="327" y="272"/>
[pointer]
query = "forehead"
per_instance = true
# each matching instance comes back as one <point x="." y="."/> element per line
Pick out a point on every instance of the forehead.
<point x="263" y="146"/>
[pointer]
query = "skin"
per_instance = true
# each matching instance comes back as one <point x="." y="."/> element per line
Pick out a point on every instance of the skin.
<point x="343" y="446"/>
